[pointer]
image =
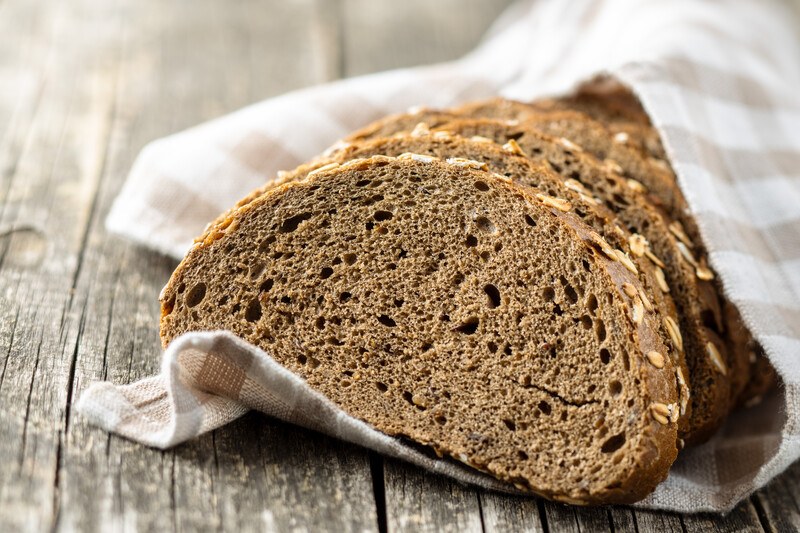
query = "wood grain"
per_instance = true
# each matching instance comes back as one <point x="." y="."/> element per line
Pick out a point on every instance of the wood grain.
<point x="85" y="85"/>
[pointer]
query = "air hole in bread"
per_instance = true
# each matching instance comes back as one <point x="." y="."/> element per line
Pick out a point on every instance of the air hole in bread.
<point x="169" y="305"/>
<point x="320" y="322"/>
<point x="336" y="261"/>
<point x="335" y="341"/>
<point x="223" y="301"/>
<point x="558" y="311"/>
<point x="472" y="241"/>
<point x="181" y="288"/>
<point x="515" y="136"/>
<point x="196" y="294"/>
<point x="485" y="225"/>
<point x="381" y="386"/>
<point x="398" y="302"/>
<point x="381" y="216"/>
<point x="569" y="291"/>
<point x="493" y="294"/>
<point x="510" y="424"/>
<point x="363" y="183"/>
<point x="586" y="266"/>
<point x="369" y="226"/>
<point x="545" y="408"/>
<point x="605" y="356"/>
<point x="256" y="269"/>
<point x="485" y="256"/>
<point x="458" y="279"/>
<point x="615" y="387"/>
<point x="374" y="199"/>
<point x="427" y="346"/>
<point x="286" y="300"/>
<point x="349" y="258"/>
<point x="548" y="293"/>
<point x="469" y="326"/>
<point x="619" y="200"/>
<point x="344" y="296"/>
<point x="302" y="359"/>
<point x="290" y="224"/>
<point x="481" y="186"/>
<point x="253" y="311"/>
<point x="586" y="322"/>
<point x="600" y="330"/>
<point x="591" y="388"/>
<point x="326" y="272"/>
<point x="440" y="419"/>
<point x="613" y="443"/>
<point x="387" y="321"/>
<point x="530" y="221"/>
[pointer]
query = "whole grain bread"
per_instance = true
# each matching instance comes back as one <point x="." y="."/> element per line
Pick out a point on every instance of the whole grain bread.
<point x="444" y="304"/>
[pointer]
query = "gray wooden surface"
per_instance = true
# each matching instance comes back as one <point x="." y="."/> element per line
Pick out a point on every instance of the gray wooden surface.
<point x="83" y="86"/>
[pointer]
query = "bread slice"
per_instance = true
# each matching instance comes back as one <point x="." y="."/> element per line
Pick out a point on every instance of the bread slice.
<point x="699" y="308"/>
<point x="443" y="304"/>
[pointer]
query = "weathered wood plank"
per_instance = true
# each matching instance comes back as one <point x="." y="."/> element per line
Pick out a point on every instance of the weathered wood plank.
<point x="743" y="518"/>
<point x="382" y="35"/>
<point x="779" y="502"/>
<point x="48" y="185"/>
<point x="417" y="500"/>
<point x="502" y="512"/>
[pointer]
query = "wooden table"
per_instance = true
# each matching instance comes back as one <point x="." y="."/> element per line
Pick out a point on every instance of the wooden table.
<point x="83" y="86"/>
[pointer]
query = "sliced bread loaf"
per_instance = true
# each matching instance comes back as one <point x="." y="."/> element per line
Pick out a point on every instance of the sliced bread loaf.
<point x="444" y="304"/>
<point x="698" y="305"/>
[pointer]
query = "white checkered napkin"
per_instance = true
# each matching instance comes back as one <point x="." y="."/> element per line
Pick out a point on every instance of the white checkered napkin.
<point x="720" y="80"/>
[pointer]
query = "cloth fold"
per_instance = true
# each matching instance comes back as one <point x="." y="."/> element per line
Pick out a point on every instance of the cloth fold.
<point x="719" y="80"/>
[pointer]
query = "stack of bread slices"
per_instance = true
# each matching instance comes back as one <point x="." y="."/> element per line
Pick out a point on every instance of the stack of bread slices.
<point x="517" y="286"/>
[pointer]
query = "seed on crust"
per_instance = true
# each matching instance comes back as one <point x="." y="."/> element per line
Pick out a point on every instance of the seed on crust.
<point x="716" y="358"/>
<point x="687" y="254"/>
<point x="656" y="359"/>
<point x="513" y="147"/>
<point x="338" y="146"/>
<point x="674" y="332"/>
<point x="674" y="412"/>
<point x="557" y="203"/>
<point x="574" y="185"/>
<point x="612" y="166"/>
<point x="636" y="186"/>
<point x="683" y="389"/>
<point x="569" y="144"/>
<point x="480" y="139"/>
<point x="442" y="135"/>
<point x="420" y="130"/>
<point x="629" y="289"/>
<point x="638" y="312"/>
<point x="621" y="137"/>
<point x="603" y="245"/>
<point x="645" y="301"/>
<point x="323" y="168"/>
<point x="676" y="228"/>
<point x="661" y="279"/>
<point x="417" y="157"/>
<point x="654" y="258"/>
<point x="281" y="174"/>
<point x="638" y="244"/>
<point x="623" y="258"/>
<point x="471" y="163"/>
<point x="661" y="412"/>
<point x="704" y="273"/>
